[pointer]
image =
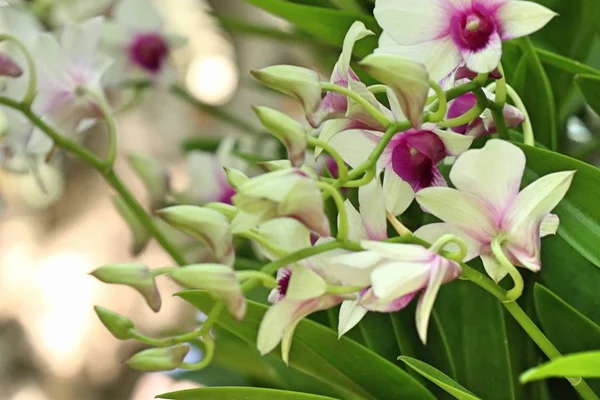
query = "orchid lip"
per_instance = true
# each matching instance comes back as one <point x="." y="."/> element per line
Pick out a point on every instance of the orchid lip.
<point x="149" y="51"/>
<point x="472" y="29"/>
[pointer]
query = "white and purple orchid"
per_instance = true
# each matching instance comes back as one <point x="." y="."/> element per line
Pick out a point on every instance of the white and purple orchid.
<point x="135" y="38"/>
<point x="487" y="205"/>
<point x="393" y="275"/>
<point x="447" y="34"/>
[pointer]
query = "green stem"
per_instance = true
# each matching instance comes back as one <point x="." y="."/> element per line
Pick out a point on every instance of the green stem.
<point x="263" y="242"/>
<point x="466" y="118"/>
<point x="342" y="234"/>
<point x="32" y="83"/>
<point x="517" y="290"/>
<point x="528" y="136"/>
<point x="342" y="168"/>
<point x="369" y="108"/>
<point x="366" y="179"/>
<point x="445" y="240"/>
<point x="267" y="280"/>
<point x="498" y="114"/>
<point x="501" y="88"/>
<point x="375" y="89"/>
<point x="209" y="352"/>
<point x="442" y="102"/>
<point x="111" y="153"/>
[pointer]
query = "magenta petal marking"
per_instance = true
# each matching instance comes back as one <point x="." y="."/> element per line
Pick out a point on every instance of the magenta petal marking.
<point x="471" y="29"/>
<point x="460" y="106"/>
<point x="149" y="51"/>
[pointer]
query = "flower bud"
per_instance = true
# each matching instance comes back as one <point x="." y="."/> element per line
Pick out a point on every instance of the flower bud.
<point x="162" y="359"/>
<point x="226" y="209"/>
<point x="137" y="276"/>
<point x="235" y="177"/>
<point x="118" y="325"/>
<point x="8" y="66"/>
<point x="284" y="193"/>
<point x="140" y="234"/>
<point x="408" y="80"/>
<point x="153" y="175"/>
<point x="214" y="278"/>
<point x="287" y="130"/>
<point x="205" y="225"/>
<point x="300" y="83"/>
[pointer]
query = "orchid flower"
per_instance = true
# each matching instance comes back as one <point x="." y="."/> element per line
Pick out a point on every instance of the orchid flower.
<point x="447" y="34"/>
<point x="283" y="193"/>
<point x="300" y="291"/>
<point x="484" y="124"/>
<point x="208" y="180"/>
<point x="19" y="140"/>
<point x="396" y="273"/>
<point x="486" y="206"/>
<point x="66" y="71"/>
<point x="137" y="41"/>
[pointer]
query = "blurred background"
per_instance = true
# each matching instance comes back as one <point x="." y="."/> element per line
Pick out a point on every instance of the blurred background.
<point x="52" y="346"/>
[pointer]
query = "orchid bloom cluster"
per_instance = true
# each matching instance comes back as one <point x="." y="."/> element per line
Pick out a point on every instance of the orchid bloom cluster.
<point x="391" y="144"/>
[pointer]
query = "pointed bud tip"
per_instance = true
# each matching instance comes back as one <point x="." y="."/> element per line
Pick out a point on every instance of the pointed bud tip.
<point x="119" y="326"/>
<point x="158" y="359"/>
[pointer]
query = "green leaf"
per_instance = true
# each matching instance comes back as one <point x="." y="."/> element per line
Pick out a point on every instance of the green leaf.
<point x="245" y="393"/>
<point x="566" y="64"/>
<point x="579" y="211"/>
<point x="439" y="378"/>
<point x="475" y="327"/>
<point x="327" y="25"/>
<point x="590" y="87"/>
<point x="379" y="335"/>
<point x="568" y="329"/>
<point x="353" y="369"/>
<point x="584" y="365"/>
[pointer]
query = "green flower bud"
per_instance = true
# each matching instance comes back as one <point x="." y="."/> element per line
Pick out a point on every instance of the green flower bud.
<point x="235" y="177"/>
<point x="161" y="359"/>
<point x="118" y="325"/>
<point x="153" y="175"/>
<point x="137" y="276"/>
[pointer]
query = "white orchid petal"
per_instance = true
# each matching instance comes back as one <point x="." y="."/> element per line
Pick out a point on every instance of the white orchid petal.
<point x="396" y="279"/>
<point x="486" y="59"/>
<point x="273" y="325"/>
<point x="398" y="194"/>
<point x="413" y="21"/>
<point x="425" y="303"/>
<point x="350" y="315"/>
<point x="356" y="228"/>
<point x="461" y="210"/>
<point x="331" y="128"/>
<point x="499" y="162"/>
<point x="355" y="145"/>
<point x="521" y="18"/>
<point x="455" y="143"/>
<point x="138" y="15"/>
<point x="493" y="267"/>
<point x="285" y="233"/>
<point x="305" y="284"/>
<point x="549" y="225"/>
<point x="433" y="232"/>
<point x="399" y="251"/>
<point x="373" y="210"/>
<point x="357" y="31"/>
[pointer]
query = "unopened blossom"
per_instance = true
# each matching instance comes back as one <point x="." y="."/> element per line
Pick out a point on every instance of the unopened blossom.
<point x="487" y="205"/>
<point x="283" y="193"/>
<point x="300" y="292"/>
<point x="69" y="75"/>
<point x="395" y="274"/>
<point x="287" y="130"/>
<point x="483" y="124"/>
<point x="447" y="34"/>
<point x="136" y="39"/>
<point x="20" y="143"/>
<point x="214" y="278"/>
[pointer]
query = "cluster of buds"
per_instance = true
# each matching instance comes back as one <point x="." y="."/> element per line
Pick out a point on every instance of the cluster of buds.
<point x="391" y="151"/>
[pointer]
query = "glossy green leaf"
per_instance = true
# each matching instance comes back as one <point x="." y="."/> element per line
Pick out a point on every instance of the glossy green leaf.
<point x="353" y="369"/>
<point x="239" y="393"/>
<point x="590" y="87"/>
<point x="379" y="335"/>
<point x="579" y="211"/>
<point x="584" y="365"/>
<point x="327" y="25"/>
<point x="476" y="330"/>
<point x="439" y="378"/>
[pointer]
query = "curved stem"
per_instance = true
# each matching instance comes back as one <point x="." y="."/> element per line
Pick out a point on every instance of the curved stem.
<point x="209" y="352"/>
<point x="528" y="136"/>
<point x="99" y="99"/>
<point x="267" y="280"/>
<point x="445" y="240"/>
<point x="369" y="108"/>
<point x="342" y="168"/>
<point x="342" y="234"/>
<point x="397" y="225"/>
<point x="441" y="101"/>
<point x="366" y="179"/>
<point x="263" y="242"/>
<point x="466" y="118"/>
<point x="514" y="293"/>
<point x="375" y="89"/>
<point x="501" y="88"/>
<point x="32" y="83"/>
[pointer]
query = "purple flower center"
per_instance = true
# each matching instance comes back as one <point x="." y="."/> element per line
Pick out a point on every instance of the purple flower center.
<point x="149" y="51"/>
<point x="415" y="157"/>
<point x="283" y="281"/>
<point x="460" y="106"/>
<point x="472" y="29"/>
<point x="226" y="194"/>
